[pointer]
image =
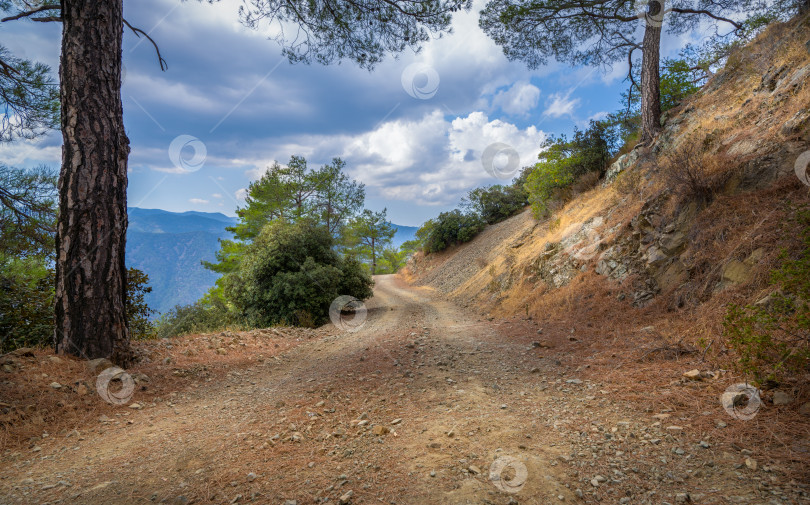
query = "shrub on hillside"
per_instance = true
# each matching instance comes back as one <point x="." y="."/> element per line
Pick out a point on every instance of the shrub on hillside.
<point x="772" y="337"/>
<point x="291" y="274"/>
<point x="692" y="173"/>
<point x="209" y="314"/>
<point x="496" y="203"/>
<point x="562" y="162"/>
<point x="449" y="228"/>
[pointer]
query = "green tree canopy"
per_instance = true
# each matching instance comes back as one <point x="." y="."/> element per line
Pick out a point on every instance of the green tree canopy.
<point x="369" y="233"/>
<point x="291" y="274"/>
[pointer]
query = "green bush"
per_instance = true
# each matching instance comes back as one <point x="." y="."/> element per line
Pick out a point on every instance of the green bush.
<point x="563" y="161"/>
<point x="207" y="315"/>
<point x="26" y="304"/>
<point x="496" y="203"/>
<point x="449" y="228"/>
<point x="291" y="274"/>
<point x="773" y="337"/>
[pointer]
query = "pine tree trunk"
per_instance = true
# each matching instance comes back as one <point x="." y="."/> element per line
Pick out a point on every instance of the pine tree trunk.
<point x="650" y="83"/>
<point x="373" y="257"/>
<point x="90" y="313"/>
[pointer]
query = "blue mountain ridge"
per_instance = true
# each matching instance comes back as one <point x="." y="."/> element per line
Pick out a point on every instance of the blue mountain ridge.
<point x="169" y="247"/>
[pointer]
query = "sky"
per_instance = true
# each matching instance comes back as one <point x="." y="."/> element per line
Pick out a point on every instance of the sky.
<point x="419" y="131"/>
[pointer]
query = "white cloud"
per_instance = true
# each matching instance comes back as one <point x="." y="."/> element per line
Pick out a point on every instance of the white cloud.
<point x="427" y="161"/>
<point x="241" y="193"/>
<point x="560" y="104"/>
<point x="518" y="100"/>
<point x="198" y="201"/>
<point x="216" y="195"/>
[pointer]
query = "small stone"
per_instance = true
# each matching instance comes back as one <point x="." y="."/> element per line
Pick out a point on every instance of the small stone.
<point x="136" y="406"/>
<point x="504" y="406"/>
<point x="674" y="428"/>
<point x="661" y="416"/>
<point x="693" y="375"/>
<point x="805" y="409"/>
<point x="290" y="502"/>
<point x="36" y="448"/>
<point x="251" y="477"/>
<point x="380" y="430"/>
<point x="682" y="498"/>
<point x="81" y="390"/>
<point x="396" y="421"/>
<point x="55" y="385"/>
<point x="55" y="359"/>
<point x="782" y="398"/>
<point x="751" y="463"/>
<point x="346" y="498"/>
<point x="221" y="350"/>
<point x="594" y="483"/>
<point x="704" y="444"/>
<point x="535" y="370"/>
<point x="474" y="470"/>
<point x="721" y="424"/>
<point x="433" y="473"/>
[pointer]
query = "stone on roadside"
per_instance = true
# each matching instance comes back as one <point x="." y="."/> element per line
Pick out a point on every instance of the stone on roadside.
<point x="751" y="463"/>
<point x="346" y="498"/>
<point x="693" y="375"/>
<point x="379" y="430"/>
<point x="782" y="398"/>
<point x="98" y="365"/>
<point x="474" y="470"/>
<point x="55" y="385"/>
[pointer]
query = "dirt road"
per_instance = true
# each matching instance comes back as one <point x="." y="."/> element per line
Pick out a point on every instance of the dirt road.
<point x="424" y="403"/>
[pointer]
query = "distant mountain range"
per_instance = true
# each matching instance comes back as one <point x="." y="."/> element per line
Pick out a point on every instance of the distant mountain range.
<point x="169" y="246"/>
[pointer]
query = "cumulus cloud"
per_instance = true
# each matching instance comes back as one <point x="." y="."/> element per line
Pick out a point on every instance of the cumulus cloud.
<point x="198" y="201"/>
<point x="428" y="161"/>
<point x="518" y="100"/>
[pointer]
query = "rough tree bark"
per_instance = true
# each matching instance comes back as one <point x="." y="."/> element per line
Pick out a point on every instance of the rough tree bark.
<point x="90" y="313"/>
<point x="650" y="83"/>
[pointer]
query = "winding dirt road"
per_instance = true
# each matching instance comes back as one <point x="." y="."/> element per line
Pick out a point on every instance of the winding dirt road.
<point x="423" y="404"/>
